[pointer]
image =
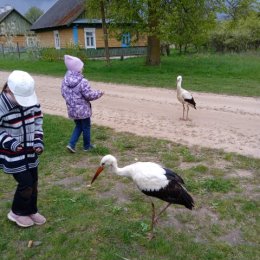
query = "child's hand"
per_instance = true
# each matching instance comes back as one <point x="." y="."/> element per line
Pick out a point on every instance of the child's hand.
<point x="19" y="148"/>
<point x="38" y="150"/>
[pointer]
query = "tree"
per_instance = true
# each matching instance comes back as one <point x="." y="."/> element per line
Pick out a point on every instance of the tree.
<point x="104" y="26"/>
<point x="239" y="32"/>
<point x="153" y="44"/>
<point x="33" y="14"/>
<point x="237" y="9"/>
<point x="98" y="9"/>
<point x="135" y="17"/>
<point x="189" y="22"/>
<point x="184" y="20"/>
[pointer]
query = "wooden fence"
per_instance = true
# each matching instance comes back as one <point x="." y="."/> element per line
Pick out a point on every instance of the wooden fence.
<point x="14" y="50"/>
<point x="17" y="51"/>
<point x="116" y="52"/>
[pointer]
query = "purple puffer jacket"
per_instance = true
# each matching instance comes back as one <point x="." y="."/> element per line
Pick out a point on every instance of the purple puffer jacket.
<point x="77" y="93"/>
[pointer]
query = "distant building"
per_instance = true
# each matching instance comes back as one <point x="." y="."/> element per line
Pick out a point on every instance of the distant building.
<point x="65" y="23"/>
<point x="14" y="27"/>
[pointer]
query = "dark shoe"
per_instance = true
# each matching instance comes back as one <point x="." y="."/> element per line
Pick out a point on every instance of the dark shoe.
<point x="90" y="148"/>
<point x="72" y="150"/>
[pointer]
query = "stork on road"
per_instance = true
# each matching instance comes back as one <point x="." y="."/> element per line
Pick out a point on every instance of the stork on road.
<point x="153" y="180"/>
<point x="185" y="98"/>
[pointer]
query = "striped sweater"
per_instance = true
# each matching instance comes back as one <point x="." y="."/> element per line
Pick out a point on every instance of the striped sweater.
<point x="19" y="126"/>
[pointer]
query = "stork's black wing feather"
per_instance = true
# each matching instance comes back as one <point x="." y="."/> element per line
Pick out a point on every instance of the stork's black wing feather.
<point x="173" y="193"/>
<point x="191" y="101"/>
<point x="173" y="176"/>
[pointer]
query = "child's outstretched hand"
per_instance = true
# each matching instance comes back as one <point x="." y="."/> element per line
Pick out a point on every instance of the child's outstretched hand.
<point x="38" y="150"/>
<point x="19" y="148"/>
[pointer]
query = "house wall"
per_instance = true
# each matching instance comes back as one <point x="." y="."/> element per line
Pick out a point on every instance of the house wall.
<point x="14" y="24"/>
<point x="112" y="42"/>
<point x="13" y="29"/>
<point x="46" y="39"/>
<point x="21" y="40"/>
<point x="66" y="38"/>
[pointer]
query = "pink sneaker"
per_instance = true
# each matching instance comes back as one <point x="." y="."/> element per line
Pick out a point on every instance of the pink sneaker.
<point x="38" y="219"/>
<point x="22" y="221"/>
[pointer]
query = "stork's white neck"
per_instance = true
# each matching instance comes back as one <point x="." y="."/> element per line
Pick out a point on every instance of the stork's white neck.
<point x="125" y="171"/>
<point x="179" y="84"/>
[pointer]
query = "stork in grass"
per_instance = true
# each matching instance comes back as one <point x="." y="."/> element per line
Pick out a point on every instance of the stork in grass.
<point x="185" y="98"/>
<point x="154" y="181"/>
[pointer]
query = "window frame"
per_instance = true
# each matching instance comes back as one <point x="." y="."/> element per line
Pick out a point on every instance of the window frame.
<point x="126" y="40"/>
<point x="31" y="41"/>
<point x="56" y="37"/>
<point x="93" y="31"/>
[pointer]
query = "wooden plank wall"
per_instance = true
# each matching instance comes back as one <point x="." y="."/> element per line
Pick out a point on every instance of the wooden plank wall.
<point x="46" y="39"/>
<point x="20" y="39"/>
<point x="66" y="39"/>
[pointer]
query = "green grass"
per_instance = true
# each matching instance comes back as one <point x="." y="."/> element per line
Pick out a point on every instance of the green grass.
<point x="110" y="220"/>
<point x="235" y="74"/>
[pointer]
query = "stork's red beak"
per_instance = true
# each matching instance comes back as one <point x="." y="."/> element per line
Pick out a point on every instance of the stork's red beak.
<point x="99" y="170"/>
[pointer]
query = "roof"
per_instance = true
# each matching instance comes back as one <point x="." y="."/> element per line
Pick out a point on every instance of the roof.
<point x="7" y="12"/>
<point x="89" y="21"/>
<point x="62" y="13"/>
<point x="4" y="14"/>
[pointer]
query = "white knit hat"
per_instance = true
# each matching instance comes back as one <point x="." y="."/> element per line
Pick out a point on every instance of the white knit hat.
<point x="21" y="85"/>
<point x="73" y="63"/>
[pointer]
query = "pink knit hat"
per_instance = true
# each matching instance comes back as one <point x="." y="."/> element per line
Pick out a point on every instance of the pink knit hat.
<point x="73" y="63"/>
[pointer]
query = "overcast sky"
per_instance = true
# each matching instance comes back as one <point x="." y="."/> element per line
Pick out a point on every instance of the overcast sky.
<point x="22" y="6"/>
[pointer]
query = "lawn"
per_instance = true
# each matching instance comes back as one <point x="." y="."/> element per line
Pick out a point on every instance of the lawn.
<point x="234" y="74"/>
<point x="110" y="220"/>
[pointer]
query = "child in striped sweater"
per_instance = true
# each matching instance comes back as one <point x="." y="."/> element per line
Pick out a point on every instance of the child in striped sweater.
<point x="21" y="141"/>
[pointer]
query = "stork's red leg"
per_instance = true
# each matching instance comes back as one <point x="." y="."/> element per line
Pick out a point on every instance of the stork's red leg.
<point x="187" y="113"/>
<point x="153" y="216"/>
<point x="160" y="213"/>
<point x="151" y="234"/>
<point x="155" y="219"/>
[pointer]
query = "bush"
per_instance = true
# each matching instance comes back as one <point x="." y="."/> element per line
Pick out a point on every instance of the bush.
<point x="52" y="54"/>
<point x="244" y="35"/>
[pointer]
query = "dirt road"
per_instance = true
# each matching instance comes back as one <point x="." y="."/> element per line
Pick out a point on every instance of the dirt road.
<point x="224" y="122"/>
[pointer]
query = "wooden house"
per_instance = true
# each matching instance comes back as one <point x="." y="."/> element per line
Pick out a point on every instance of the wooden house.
<point x="14" y="28"/>
<point x="65" y="24"/>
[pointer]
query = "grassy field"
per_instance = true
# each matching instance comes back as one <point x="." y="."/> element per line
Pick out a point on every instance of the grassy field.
<point x="235" y="74"/>
<point x="110" y="220"/>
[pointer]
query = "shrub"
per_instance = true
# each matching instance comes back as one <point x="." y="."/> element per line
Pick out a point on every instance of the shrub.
<point x="52" y="54"/>
<point x="241" y="36"/>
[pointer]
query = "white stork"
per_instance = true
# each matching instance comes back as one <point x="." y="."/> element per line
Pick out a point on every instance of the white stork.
<point x="184" y="97"/>
<point x="153" y="180"/>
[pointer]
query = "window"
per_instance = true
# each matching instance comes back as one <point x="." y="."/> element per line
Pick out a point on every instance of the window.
<point x="75" y="35"/>
<point x="31" y="41"/>
<point x="90" y="38"/>
<point x="126" y="39"/>
<point x="57" y="39"/>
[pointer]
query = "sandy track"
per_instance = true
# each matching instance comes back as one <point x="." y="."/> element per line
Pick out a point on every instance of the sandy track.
<point x="224" y="122"/>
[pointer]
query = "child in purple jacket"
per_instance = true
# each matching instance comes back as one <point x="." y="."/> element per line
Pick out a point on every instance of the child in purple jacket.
<point x="78" y="93"/>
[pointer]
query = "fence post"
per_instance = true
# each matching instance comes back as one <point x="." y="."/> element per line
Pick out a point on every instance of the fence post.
<point x="3" y="49"/>
<point x="18" y="50"/>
